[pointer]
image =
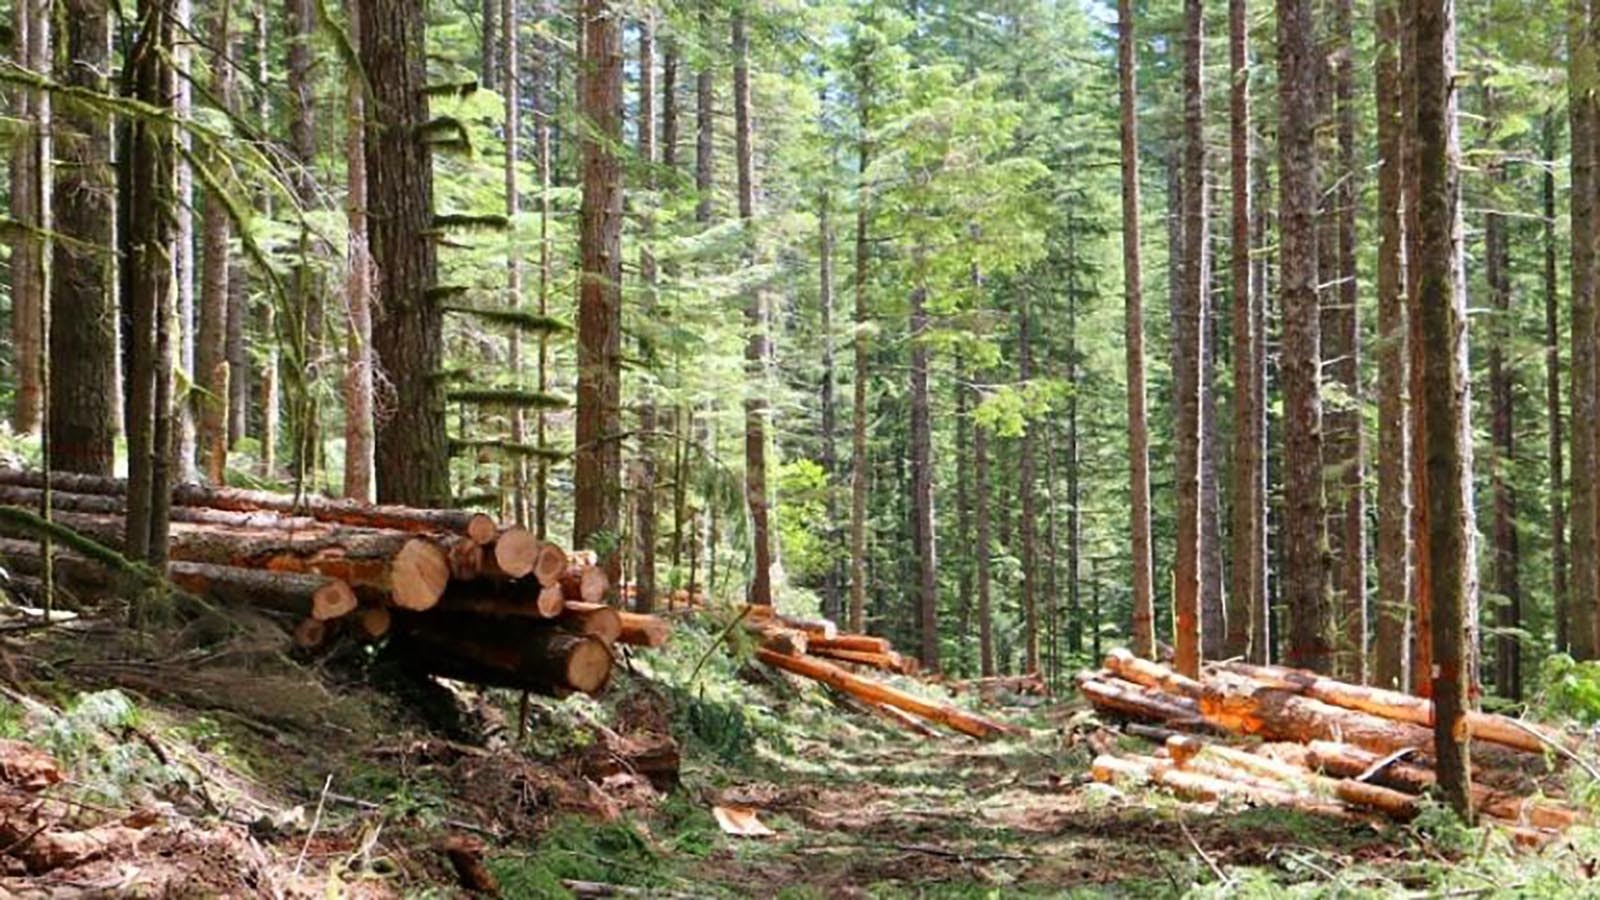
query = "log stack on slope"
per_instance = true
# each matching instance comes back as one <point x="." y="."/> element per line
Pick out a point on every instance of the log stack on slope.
<point x="452" y="592"/>
<point x="1320" y="744"/>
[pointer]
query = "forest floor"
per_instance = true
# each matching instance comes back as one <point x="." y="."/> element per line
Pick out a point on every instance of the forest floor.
<point x="226" y="769"/>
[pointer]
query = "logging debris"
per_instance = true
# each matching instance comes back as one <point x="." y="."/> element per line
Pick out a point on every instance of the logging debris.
<point x="1321" y="745"/>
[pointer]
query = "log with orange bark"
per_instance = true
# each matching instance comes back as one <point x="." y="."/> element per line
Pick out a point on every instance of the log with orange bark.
<point x="1274" y="707"/>
<point x="1346" y="761"/>
<point x="1518" y="735"/>
<point x="299" y="595"/>
<point x="642" y="630"/>
<point x="413" y="569"/>
<point x="871" y="691"/>
<point x="888" y="662"/>
<point x="476" y="525"/>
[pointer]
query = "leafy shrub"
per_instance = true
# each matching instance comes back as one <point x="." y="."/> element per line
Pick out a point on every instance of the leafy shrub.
<point x="1570" y="689"/>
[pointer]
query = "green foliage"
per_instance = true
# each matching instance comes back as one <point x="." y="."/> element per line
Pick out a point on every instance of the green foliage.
<point x="583" y="850"/>
<point x="1570" y="689"/>
<point x="802" y="518"/>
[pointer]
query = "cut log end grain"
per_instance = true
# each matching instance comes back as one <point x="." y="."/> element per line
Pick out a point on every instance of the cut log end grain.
<point x="466" y="559"/>
<point x="595" y="619"/>
<point x="588" y="665"/>
<point x="516" y="551"/>
<point x="550" y="564"/>
<point x="481" y="529"/>
<point x="332" y="600"/>
<point x="551" y="601"/>
<point x="310" y="633"/>
<point x="374" y="621"/>
<point x="419" y="574"/>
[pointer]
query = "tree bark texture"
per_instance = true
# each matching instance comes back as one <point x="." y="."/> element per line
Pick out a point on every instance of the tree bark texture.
<point x="411" y="452"/>
<point x="1143" y="624"/>
<point x="1305" y="580"/>
<point x="83" y="329"/>
<point x="1189" y="347"/>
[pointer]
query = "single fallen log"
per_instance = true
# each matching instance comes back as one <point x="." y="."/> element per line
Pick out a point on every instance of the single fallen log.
<point x="112" y="505"/>
<point x="595" y="619"/>
<point x="1152" y="674"/>
<point x="374" y="621"/>
<point x="295" y="594"/>
<point x="486" y="598"/>
<point x="1126" y="700"/>
<point x="875" y="692"/>
<point x="1346" y="761"/>
<point x="516" y="551"/>
<point x="1241" y="705"/>
<point x="1227" y="762"/>
<point x="414" y="569"/>
<point x="585" y="584"/>
<point x="1199" y="787"/>
<point x="778" y="639"/>
<point x="310" y="633"/>
<point x="641" y="630"/>
<point x="1395" y="705"/>
<point x="546" y="660"/>
<point x="476" y="525"/>
<point x="888" y="662"/>
<point x="856" y="643"/>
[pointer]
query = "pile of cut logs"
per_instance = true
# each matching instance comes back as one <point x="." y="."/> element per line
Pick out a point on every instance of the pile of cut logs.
<point x="1319" y="744"/>
<point x="816" y="649"/>
<point x="452" y="592"/>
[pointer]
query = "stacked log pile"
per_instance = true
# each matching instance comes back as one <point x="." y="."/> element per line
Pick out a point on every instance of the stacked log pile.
<point x="451" y="592"/>
<point x="816" y="649"/>
<point x="1321" y="745"/>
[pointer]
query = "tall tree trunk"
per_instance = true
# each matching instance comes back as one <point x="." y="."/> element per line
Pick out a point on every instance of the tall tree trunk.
<point x="755" y="314"/>
<point x="1502" y="399"/>
<point x="1143" y="625"/>
<point x="1305" y="573"/>
<point x="511" y="92"/>
<point x="597" y="485"/>
<point x="1246" y="596"/>
<point x="1394" y="433"/>
<point x="490" y="35"/>
<point x="31" y="38"/>
<point x="543" y="110"/>
<point x="411" y="453"/>
<point x="83" y="343"/>
<point x="832" y="602"/>
<point x="358" y="412"/>
<point x="148" y="250"/>
<point x="211" y="347"/>
<point x="1189" y="343"/>
<point x="1552" y="368"/>
<point x="705" y="126"/>
<point x="858" y="414"/>
<point x="1421" y="533"/>
<point x="305" y="300"/>
<point x="1443" y="306"/>
<point x="185" y="452"/>
<point x="1074" y="463"/>
<point x="1585" y="586"/>
<point x="270" y="394"/>
<point x="980" y="502"/>
<point x="1343" y="352"/>
<point x="645" y="484"/>
<point x="922" y="488"/>
<point x="1026" y="485"/>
